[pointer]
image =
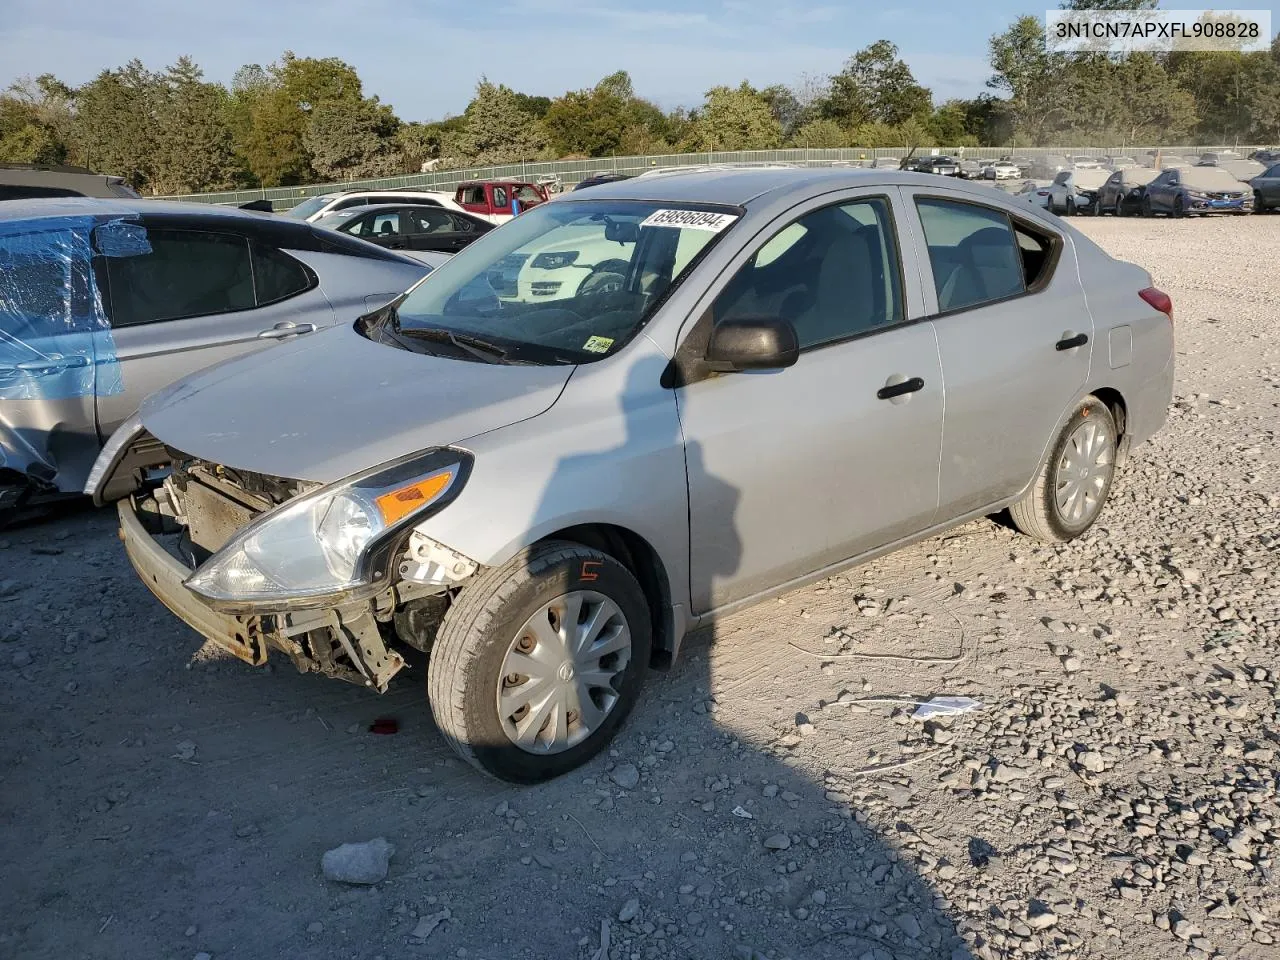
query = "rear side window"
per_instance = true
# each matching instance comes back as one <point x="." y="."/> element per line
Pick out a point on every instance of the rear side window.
<point x="432" y="220"/>
<point x="973" y="253"/>
<point x="350" y="202"/>
<point x="277" y="276"/>
<point x="188" y="273"/>
<point x="1036" y="250"/>
<point x="472" y="195"/>
<point x="499" y="197"/>
<point x="527" y="194"/>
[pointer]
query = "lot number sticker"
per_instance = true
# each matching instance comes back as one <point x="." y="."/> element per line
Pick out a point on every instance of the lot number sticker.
<point x="689" y="220"/>
<point x="598" y="345"/>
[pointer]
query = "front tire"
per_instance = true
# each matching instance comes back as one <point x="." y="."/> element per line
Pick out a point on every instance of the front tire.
<point x="1071" y="207"/>
<point x="1068" y="494"/>
<point x="1147" y="209"/>
<point x="539" y="661"/>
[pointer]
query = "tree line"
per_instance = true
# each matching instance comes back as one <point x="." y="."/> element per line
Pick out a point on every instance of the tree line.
<point x="304" y="119"/>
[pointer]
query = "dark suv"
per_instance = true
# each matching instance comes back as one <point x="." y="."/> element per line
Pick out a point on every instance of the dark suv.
<point x="26" y="181"/>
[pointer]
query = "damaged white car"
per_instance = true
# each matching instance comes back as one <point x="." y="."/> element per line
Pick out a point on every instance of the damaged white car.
<point x="736" y="386"/>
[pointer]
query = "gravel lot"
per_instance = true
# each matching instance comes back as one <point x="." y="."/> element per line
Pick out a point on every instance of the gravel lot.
<point x="771" y="797"/>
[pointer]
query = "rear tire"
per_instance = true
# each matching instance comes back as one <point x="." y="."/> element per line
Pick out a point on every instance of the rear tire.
<point x="495" y="625"/>
<point x="1071" y="489"/>
<point x="1071" y="207"/>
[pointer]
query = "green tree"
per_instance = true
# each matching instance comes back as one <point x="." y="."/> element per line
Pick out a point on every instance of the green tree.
<point x="1026" y="73"/>
<point x="875" y="86"/>
<point x="353" y="139"/>
<point x="37" y="121"/>
<point x="115" y="122"/>
<point x="280" y="110"/>
<point x="821" y="134"/>
<point x="736" y="119"/>
<point x="194" y="148"/>
<point x="497" y="129"/>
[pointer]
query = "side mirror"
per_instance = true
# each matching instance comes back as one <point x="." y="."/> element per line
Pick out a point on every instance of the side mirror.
<point x="752" y="343"/>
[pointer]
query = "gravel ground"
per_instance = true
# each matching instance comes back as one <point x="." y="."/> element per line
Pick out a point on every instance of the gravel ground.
<point x="771" y="797"/>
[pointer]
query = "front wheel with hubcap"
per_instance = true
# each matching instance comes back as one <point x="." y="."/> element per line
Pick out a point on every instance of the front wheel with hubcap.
<point x="1067" y="495"/>
<point x="539" y="661"/>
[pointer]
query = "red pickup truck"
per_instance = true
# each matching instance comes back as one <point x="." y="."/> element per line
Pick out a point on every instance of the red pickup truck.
<point x="498" y="200"/>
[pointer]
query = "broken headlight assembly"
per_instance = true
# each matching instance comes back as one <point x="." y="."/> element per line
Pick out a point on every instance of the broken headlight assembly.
<point x="334" y="543"/>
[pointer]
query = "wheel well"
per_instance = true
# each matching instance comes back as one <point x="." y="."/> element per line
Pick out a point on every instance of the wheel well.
<point x="1119" y="412"/>
<point x="634" y="552"/>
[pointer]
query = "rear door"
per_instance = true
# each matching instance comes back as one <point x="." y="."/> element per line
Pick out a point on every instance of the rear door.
<point x="1015" y="336"/>
<point x="1268" y="185"/>
<point x="200" y="296"/>
<point x="434" y="228"/>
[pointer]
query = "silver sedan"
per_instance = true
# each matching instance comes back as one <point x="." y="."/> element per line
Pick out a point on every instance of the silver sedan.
<point x="737" y="382"/>
<point x="104" y="301"/>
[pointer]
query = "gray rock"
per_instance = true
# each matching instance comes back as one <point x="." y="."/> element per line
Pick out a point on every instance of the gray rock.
<point x="820" y="897"/>
<point x="426" y="925"/>
<point x="630" y="910"/>
<point x="9" y="588"/>
<point x="1004" y="773"/>
<point x="315" y="927"/>
<point x="1091" y="761"/>
<point x="909" y="925"/>
<point x="778" y="841"/>
<point x="625" y="775"/>
<point x="21" y="659"/>
<point x="365" y="863"/>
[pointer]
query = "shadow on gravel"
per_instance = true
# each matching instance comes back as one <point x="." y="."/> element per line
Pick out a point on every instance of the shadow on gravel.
<point x="160" y="811"/>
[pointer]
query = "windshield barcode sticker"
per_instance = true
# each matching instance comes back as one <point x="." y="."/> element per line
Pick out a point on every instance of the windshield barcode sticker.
<point x="689" y="220"/>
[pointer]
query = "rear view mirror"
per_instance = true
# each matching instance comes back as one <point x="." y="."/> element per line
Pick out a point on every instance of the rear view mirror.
<point x="628" y="231"/>
<point x="752" y="343"/>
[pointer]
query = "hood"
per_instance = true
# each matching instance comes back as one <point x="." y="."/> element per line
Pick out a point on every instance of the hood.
<point x="333" y="403"/>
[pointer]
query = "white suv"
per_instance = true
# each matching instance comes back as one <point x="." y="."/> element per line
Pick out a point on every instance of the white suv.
<point x="313" y="208"/>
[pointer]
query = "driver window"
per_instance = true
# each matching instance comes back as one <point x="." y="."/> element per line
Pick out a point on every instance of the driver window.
<point x="832" y="274"/>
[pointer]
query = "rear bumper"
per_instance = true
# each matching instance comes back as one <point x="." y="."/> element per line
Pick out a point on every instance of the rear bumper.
<point x="241" y="636"/>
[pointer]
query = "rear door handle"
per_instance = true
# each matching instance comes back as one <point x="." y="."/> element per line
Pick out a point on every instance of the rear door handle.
<point x="900" y="389"/>
<point x="282" y="330"/>
<point x="1070" y="343"/>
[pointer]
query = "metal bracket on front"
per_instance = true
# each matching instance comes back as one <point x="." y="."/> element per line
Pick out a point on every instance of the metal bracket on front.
<point x="429" y="562"/>
<point x="362" y="641"/>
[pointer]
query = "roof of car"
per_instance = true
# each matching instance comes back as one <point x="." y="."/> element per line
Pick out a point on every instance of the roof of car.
<point x="351" y="212"/>
<point x="270" y="227"/>
<point x="741" y="187"/>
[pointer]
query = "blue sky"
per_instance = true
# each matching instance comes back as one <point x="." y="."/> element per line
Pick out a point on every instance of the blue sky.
<point x="424" y="56"/>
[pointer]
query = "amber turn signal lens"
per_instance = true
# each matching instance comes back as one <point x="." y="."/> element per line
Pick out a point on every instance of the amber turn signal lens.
<point x="400" y="503"/>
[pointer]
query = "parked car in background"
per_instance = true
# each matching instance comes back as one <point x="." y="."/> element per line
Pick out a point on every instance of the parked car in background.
<point x="547" y="498"/>
<point x="1082" y="162"/>
<point x="551" y="183"/>
<point x="1001" y="170"/>
<point x="1200" y="190"/>
<point x="1266" y="189"/>
<point x="1216" y="158"/>
<point x="942" y="166"/>
<point x="1034" y="192"/>
<point x="1119" y="163"/>
<point x="28" y="181"/>
<point x="313" y="208"/>
<point x="1171" y="161"/>
<point x="1122" y="192"/>
<point x="596" y="179"/>
<point x="885" y="163"/>
<point x="105" y="301"/>
<point x="1076" y="190"/>
<point x="408" y="227"/>
<point x="1049" y="166"/>
<point x="498" y="200"/>
<point x="1266" y="157"/>
<point x="971" y="169"/>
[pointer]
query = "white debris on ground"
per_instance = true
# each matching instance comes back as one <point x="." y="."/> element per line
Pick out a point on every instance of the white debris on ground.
<point x="1115" y="795"/>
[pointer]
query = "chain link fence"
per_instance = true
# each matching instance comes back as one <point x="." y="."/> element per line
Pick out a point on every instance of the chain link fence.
<point x="570" y="172"/>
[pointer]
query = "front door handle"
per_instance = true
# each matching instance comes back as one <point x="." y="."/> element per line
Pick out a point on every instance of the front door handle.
<point x="900" y="389"/>
<point x="282" y="330"/>
<point x="54" y="363"/>
<point x="1069" y="342"/>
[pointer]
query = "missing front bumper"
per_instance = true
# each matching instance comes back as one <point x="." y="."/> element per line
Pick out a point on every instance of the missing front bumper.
<point x="344" y="642"/>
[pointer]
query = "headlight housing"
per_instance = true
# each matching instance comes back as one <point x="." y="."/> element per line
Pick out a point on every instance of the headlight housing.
<point x="334" y="543"/>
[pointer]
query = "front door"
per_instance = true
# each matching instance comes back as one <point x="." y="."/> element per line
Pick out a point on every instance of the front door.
<point x="793" y="470"/>
<point x="197" y="298"/>
<point x="1016" y="338"/>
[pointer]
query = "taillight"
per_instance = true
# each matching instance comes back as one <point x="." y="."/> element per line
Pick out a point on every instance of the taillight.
<point x="1158" y="299"/>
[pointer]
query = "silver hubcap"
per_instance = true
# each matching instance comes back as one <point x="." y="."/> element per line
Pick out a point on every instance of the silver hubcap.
<point x="559" y="674"/>
<point x="1084" y="471"/>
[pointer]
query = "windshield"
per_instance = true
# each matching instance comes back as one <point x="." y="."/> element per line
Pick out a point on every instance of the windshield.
<point x="308" y="206"/>
<point x="567" y="282"/>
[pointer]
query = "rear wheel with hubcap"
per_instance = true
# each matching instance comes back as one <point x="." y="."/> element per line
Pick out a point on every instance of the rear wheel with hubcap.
<point x="1072" y="486"/>
<point x="1071" y="207"/>
<point x="539" y="661"/>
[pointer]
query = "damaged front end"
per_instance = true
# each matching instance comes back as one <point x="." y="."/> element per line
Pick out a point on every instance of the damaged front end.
<point x="330" y="575"/>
